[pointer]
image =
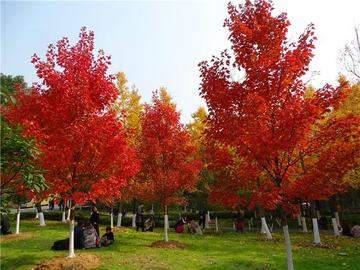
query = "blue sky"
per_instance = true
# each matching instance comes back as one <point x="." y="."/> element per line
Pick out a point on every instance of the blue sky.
<point x="160" y="43"/>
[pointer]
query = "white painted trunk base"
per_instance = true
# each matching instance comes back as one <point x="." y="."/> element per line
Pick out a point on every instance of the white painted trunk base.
<point x="216" y="224"/>
<point x="266" y="228"/>
<point x="111" y="220"/>
<point x="317" y="240"/>
<point x="337" y="219"/>
<point x="207" y="220"/>
<point x="18" y="221"/>
<point x="37" y="213"/>
<point x="63" y="219"/>
<point x="289" y="258"/>
<point x="133" y="221"/>
<point x="262" y="230"/>
<point x="71" y="240"/>
<point x="299" y="220"/>
<point x="119" y="219"/>
<point x="335" y="227"/>
<point x="68" y="214"/>
<point x="152" y="209"/>
<point x="304" y="226"/>
<point x="318" y="214"/>
<point x="166" y="225"/>
<point x="42" y="219"/>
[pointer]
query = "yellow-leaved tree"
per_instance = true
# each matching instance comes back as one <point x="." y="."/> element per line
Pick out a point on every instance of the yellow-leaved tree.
<point x="351" y="105"/>
<point x="129" y="107"/>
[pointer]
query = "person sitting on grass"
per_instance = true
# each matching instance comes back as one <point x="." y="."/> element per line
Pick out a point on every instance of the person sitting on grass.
<point x="108" y="238"/>
<point x="179" y="226"/>
<point x="194" y="228"/>
<point x="149" y="224"/>
<point x="345" y="229"/>
<point x="91" y="238"/>
<point x="78" y="239"/>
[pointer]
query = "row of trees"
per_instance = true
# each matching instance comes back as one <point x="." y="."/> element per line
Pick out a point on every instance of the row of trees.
<point x="268" y="140"/>
<point x="96" y="141"/>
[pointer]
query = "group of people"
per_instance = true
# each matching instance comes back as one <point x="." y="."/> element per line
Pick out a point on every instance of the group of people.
<point x="87" y="234"/>
<point x="192" y="226"/>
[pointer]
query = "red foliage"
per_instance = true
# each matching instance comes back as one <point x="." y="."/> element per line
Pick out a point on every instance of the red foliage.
<point x="167" y="155"/>
<point x="69" y="113"/>
<point x="266" y="118"/>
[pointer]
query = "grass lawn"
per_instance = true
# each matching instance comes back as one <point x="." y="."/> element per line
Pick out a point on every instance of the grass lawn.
<point x="210" y="251"/>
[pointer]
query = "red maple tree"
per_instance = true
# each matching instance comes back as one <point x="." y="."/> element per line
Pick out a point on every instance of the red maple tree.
<point x="265" y="115"/>
<point x="70" y="115"/>
<point x="168" y="166"/>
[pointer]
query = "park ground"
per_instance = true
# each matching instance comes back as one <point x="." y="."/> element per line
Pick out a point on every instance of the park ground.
<point x="229" y="250"/>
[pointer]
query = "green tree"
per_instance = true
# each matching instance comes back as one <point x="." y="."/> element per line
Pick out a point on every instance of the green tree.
<point x="20" y="172"/>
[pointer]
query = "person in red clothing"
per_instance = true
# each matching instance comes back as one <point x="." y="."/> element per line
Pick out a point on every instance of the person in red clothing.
<point x="180" y="225"/>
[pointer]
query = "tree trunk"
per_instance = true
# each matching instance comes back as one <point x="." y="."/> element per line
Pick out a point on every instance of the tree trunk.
<point x="216" y="224"/>
<point x="289" y="257"/>
<point x="112" y="218"/>
<point x="336" y="214"/>
<point x="303" y="221"/>
<point x="37" y="214"/>
<point x="315" y="212"/>
<point x="303" y="218"/>
<point x="166" y="221"/>
<point x="18" y="220"/>
<point x="299" y="220"/>
<point x="119" y="219"/>
<point x="207" y="220"/>
<point x="69" y="211"/>
<point x="317" y="240"/>
<point x="41" y="215"/>
<point x="264" y="226"/>
<point x="71" y="236"/>
<point x="152" y="209"/>
<point x="335" y="227"/>
<point x="63" y="219"/>
<point x="134" y="220"/>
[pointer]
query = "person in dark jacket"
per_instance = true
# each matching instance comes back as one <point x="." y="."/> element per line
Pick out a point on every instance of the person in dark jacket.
<point x="202" y="218"/>
<point x="79" y="235"/>
<point x="108" y="238"/>
<point x="139" y="218"/>
<point x="95" y="219"/>
<point x="346" y="229"/>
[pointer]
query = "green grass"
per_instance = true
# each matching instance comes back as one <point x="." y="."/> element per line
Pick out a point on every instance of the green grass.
<point x="210" y="251"/>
